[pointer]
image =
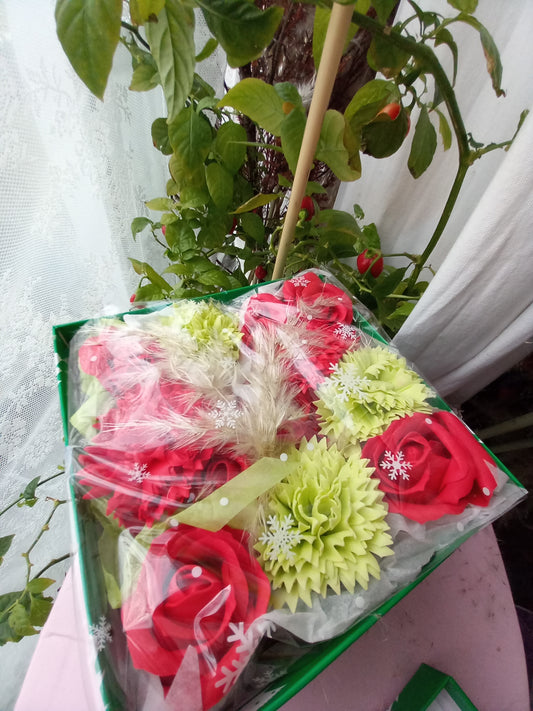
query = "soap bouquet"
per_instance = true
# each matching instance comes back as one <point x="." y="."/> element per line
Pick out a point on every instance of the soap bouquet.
<point x="258" y="468"/>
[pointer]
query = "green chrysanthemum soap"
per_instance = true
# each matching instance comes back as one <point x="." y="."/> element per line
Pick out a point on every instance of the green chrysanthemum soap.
<point x="367" y="390"/>
<point x="324" y="525"/>
<point x="204" y="322"/>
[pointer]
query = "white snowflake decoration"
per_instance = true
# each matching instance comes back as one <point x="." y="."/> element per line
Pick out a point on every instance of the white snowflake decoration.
<point x="225" y="414"/>
<point x="280" y="538"/>
<point x="139" y="473"/>
<point x="300" y="280"/>
<point x="101" y="631"/>
<point x="396" y="465"/>
<point x="348" y="384"/>
<point x="230" y="675"/>
<point x="248" y="642"/>
<point x="247" y="639"/>
<point x="346" y="332"/>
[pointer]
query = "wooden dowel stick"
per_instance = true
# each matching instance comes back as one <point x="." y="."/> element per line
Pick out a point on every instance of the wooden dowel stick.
<point x="331" y="55"/>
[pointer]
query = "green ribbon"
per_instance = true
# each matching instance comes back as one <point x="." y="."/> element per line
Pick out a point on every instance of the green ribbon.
<point x="228" y="501"/>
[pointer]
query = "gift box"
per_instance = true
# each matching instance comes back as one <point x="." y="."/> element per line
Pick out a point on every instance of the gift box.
<point x="432" y="690"/>
<point x="256" y="477"/>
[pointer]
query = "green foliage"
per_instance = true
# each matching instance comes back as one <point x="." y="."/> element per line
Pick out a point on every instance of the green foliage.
<point x="423" y="146"/>
<point x="242" y="29"/>
<point x="23" y="611"/>
<point x="171" y="41"/>
<point x="259" y="101"/>
<point x="217" y="222"/>
<point x="5" y="545"/>
<point x="89" y="32"/>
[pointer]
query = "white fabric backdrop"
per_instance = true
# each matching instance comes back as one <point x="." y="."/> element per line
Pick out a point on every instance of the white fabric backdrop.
<point x="74" y="172"/>
<point x="476" y="319"/>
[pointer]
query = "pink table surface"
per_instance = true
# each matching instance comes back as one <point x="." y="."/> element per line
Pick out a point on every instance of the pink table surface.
<point x="461" y="620"/>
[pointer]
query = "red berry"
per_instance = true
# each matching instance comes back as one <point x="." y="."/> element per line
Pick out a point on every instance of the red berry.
<point x="391" y="110"/>
<point x="164" y="230"/>
<point x="370" y="259"/>
<point x="309" y="206"/>
<point x="132" y="298"/>
<point x="234" y="225"/>
<point x="260" y="273"/>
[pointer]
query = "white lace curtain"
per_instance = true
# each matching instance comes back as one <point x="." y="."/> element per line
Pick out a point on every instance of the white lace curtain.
<point x="74" y="172"/>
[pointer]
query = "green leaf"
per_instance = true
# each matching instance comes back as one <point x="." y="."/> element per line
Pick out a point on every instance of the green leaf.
<point x="397" y="318"/>
<point x="229" y="145"/>
<point x="423" y="146"/>
<point x="253" y="262"/>
<point x="179" y="269"/>
<point x="168" y="218"/>
<point x="492" y="56"/>
<point x="145" y="77"/>
<point x="180" y="236"/>
<point x="288" y="93"/>
<point x="331" y="149"/>
<point x="171" y="41"/>
<point x="138" y="224"/>
<point x="29" y="491"/>
<point x="39" y="585"/>
<point x="108" y="560"/>
<point x="468" y="6"/>
<point x="7" y="601"/>
<point x="160" y="204"/>
<point x="259" y="101"/>
<point x="6" y="634"/>
<point x="149" y="292"/>
<point x="358" y="212"/>
<point x="257" y="201"/>
<point x="314" y="188"/>
<point x="201" y="89"/>
<point x="208" y="49"/>
<point x="253" y="226"/>
<point x="292" y="132"/>
<point x="219" y="183"/>
<point x="388" y="284"/>
<point x="383" y="136"/>
<point x="208" y="102"/>
<point x="241" y="28"/>
<point x="5" y="545"/>
<point x="89" y="32"/>
<point x="160" y="136"/>
<point x="371" y="236"/>
<point x="387" y="58"/>
<point x="340" y="229"/>
<point x="19" y="621"/>
<point x="191" y="137"/>
<point x="40" y="608"/>
<point x="383" y="9"/>
<point x="213" y="232"/>
<point x="444" y="130"/>
<point x="149" y="272"/>
<point x="215" y="277"/>
<point x="444" y="36"/>
<point x="369" y="100"/>
<point x="143" y="10"/>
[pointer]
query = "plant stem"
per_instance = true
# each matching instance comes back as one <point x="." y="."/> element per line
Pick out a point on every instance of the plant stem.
<point x="22" y="497"/>
<point x="439" y="229"/>
<point x="44" y="527"/>
<point x="51" y="563"/>
<point x="431" y="64"/>
<point x="135" y="31"/>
